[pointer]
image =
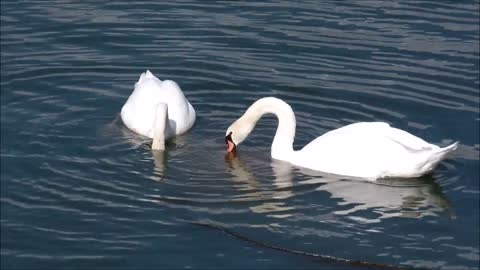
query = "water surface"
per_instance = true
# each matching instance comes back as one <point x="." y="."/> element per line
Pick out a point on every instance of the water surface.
<point x="79" y="190"/>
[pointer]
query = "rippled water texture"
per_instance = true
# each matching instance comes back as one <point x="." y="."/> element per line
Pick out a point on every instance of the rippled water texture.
<point x="79" y="190"/>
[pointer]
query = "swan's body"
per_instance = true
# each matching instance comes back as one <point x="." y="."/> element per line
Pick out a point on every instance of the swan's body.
<point x="157" y="109"/>
<point x="368" y="150"/>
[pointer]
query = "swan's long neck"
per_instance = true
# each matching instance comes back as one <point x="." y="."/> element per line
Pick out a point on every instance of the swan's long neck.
<point x="282" y="146"/>
<point x="159" y="127"/>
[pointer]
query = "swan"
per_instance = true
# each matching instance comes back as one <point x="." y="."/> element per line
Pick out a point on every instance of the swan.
<point x="158" y="110"/>
<point x="367" y="150"/>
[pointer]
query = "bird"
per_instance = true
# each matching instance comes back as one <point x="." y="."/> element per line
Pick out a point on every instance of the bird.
<point x="368" y="150"/>
<point x="158" y="110"/>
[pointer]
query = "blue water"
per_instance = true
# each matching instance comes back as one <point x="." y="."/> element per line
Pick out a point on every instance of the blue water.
<point x="80" y="191"/>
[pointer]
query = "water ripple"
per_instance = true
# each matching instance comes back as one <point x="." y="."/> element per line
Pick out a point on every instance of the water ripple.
<point x="75" y="177"/>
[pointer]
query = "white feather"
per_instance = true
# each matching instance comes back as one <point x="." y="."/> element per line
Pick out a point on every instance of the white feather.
<point x="139" y="112"/>
<point x="368" y="150"/>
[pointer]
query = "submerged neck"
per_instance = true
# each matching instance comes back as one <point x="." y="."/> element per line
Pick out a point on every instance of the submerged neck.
<point x="282" y="146"/>
<point x="159" y="127"/>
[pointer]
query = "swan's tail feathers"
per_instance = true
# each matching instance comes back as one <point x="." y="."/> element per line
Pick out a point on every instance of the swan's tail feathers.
<point x="145" y="75"/>
<point x="437" y="156"/>
<point x="448" y="149"/>
<point x="149" y="74"/>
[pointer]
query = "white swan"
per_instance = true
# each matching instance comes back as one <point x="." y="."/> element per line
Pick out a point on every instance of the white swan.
<point x="157" y="109"/>
<point x="369" y="150"/>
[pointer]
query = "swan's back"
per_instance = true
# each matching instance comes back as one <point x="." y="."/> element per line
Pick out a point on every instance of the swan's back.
<point x="139" y="111"/>
<point x="371" y="150"/>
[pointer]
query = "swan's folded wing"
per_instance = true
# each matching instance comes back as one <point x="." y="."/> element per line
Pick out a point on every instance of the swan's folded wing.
<point x="360" y="128"/>
<point x="371" y="135"/>
<point x="381" y="129"/>
<point x="409" y="141"/>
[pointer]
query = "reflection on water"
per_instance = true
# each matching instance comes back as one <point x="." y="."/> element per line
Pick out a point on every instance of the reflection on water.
<point x="245" y="180"/>
<point x="92" y="192"/>
<point x="409" y="198"/>
<point x="117" y="128"/>
<point x="421" y="197"/>
<point x="160" y="161"/>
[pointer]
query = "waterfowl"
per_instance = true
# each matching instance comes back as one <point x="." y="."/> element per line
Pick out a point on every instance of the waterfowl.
<point x="369" y="150"/>
<point x="158" y="110"/>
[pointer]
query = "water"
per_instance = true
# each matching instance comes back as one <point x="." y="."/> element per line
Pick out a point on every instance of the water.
<point x="78" y="190"/>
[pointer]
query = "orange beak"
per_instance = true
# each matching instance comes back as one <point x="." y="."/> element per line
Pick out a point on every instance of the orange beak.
<point x="230" y="144"/>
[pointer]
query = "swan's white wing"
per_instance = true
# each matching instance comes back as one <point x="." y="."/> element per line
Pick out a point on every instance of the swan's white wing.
<point x="180" y="112"/>
<point x="365" y="150"/>
<point x="381" y="129"/>
<point x="360" y="127"/>
<point x="139" y="110"/>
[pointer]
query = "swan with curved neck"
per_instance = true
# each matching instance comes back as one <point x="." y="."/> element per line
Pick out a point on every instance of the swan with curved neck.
<point x="369" y="150"/>
<point x="158" y="110"/>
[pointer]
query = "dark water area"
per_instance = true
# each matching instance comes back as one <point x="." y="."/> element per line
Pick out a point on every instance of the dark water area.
<point x="81" y="191"/>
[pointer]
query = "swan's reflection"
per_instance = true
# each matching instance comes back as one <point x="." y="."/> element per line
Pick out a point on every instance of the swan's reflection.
<point x="245" y="180"/>
<point x="410" y="198"/>
<point x="159" y="157"/>
<point x="135" y="141"/>
<point x="160" y="161"/>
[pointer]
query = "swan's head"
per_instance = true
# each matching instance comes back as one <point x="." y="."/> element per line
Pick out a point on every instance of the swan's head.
<point x="237" y="133"/>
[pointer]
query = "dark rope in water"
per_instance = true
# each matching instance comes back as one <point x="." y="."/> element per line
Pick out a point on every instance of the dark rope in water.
<point x="323" y="258"/>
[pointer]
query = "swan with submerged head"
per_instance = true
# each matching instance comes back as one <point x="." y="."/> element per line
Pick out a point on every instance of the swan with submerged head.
<point x="369" y="150"/>
<point x="158" y="110"/>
